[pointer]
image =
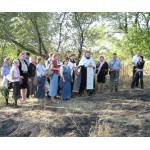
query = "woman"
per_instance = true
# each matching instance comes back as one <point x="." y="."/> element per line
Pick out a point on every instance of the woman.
<point x="102" y="70"/>
<point x="73" y="66"/>
<point x="65" y="81"/>
<point x="139" y="73"/>
<point x="32" y="75"/>
<point x="16" y="79"/>
<point x="4" y="72"/>
<point x="23" y="68"/>
<point x="54" y="78"/>
<point x="40" y="94"/>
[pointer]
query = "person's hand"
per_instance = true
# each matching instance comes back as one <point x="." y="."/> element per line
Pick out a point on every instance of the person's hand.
<point x="90" y="65"/>
<point x="29" y="79"/>
<point x="21" y="77"/>
<point x="64" y="80"/>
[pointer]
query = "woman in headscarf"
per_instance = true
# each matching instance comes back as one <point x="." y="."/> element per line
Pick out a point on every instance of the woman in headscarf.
<point x="4" y="72"/>
<point x="16" y="79"/>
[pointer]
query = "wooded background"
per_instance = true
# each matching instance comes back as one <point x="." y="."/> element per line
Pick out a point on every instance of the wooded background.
<point x="102" y="33"/>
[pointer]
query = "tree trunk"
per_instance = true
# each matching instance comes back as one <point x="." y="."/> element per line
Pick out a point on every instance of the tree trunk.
<point x="25" y="48"/>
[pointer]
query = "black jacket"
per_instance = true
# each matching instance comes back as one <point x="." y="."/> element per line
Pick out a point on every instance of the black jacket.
<point x="20" y="66"/>
<point x="32" y="70"/>
<point x="140" y="64"/>
<point x="104" y="69"/>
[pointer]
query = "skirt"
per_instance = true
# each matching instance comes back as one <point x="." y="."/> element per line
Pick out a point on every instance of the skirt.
<point x="101" y="78"/>
<point x="24" y="83"/>
<point x="53" y="85"/>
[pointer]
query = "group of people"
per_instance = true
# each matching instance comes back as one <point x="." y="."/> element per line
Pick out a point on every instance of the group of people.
<point x="31" y="77"/>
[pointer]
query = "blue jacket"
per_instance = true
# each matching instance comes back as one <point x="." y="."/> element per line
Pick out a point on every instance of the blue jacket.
<point x="5" y="70"/>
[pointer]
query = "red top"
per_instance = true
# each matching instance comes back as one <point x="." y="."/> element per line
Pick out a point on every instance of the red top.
<point x="55" y="65"/>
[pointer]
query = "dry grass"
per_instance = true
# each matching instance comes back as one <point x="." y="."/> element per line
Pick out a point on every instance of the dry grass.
<point x="101" y="129"/>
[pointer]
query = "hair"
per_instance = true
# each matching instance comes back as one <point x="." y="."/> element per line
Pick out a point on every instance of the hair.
<point x="101" y="56"/>
<point x="87" y="52"/>
<point x="114" y="54"/>
<point x="55" y="54"/>
<point x="50" y="54"/>
<point x="142" y="58"/>
<point x="72" y="55"/>
<point x="6" y="59"/>
<point x="66" y="59"/>
<point x="39" y="59"/>
<point x="22" y="53"/>
<point x="16" y="61"/>
<point x="31" y="58"/>
<point x="27" y="54"/>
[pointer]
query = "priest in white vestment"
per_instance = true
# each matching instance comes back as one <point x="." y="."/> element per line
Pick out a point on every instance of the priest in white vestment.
<point x="88" y="66"/>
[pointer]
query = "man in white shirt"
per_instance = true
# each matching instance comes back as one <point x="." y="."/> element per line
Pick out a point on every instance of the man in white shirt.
<point x="135" y="59"/>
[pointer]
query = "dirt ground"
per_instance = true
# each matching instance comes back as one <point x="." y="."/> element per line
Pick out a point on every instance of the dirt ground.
<point x="122" y="114"/>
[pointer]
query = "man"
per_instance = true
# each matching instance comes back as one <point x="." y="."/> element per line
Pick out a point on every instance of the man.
<point x="114" y="66"/>
<point x="135" y="59"/>
<point x="88" y="67"/>
<point x="27" y="57"/>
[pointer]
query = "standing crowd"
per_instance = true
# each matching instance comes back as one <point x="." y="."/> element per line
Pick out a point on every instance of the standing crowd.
<point x="31" y="77"/>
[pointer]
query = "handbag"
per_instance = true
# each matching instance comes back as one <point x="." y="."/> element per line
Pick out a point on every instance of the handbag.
<point x="48" y="71"/>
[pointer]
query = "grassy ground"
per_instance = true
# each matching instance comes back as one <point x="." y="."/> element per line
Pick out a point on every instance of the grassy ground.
<point x="126" y="113"/>
<point x="123" y="114"/>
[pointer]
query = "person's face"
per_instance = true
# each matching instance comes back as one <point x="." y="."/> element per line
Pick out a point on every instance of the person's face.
<point x="87" y="55"/>
<point x="17" y="64"/>
<point x="9" y="62"/>
<point x="57" y="57"/>
<point x="66" y="62"/>
<point x="32" y="59"/>
<point x="22" y="57"/>
<point x="140" y="58"/>
<point x="101" y="59"/>
<point x="114" y="56"/>
<point x="72" y="57"/>
<point x="138" y="53"/>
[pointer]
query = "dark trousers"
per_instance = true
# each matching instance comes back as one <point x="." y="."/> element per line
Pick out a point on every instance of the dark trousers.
<point x="6" y="95"/>
<point x="137" y="79"/>
<point x="114" y="78"/>
<point x="28" y="91"/>
<point x="138" y="75"/>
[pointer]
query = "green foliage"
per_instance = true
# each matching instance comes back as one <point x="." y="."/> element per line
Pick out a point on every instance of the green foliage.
<point x="103" y="33"/>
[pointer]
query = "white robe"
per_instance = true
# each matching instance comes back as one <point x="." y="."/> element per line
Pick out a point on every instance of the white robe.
<point x="90" y="71"/>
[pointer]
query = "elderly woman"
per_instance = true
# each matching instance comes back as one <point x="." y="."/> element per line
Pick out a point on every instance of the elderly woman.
<point x="40" y="94"/>
<point x="72" y="64"/>
<point x="102" y="71"/>
<point x="16" y="79"/>
<point x="4" y="72"/>
<point x="65" y="81"/>
<point x="32" y="75"/>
